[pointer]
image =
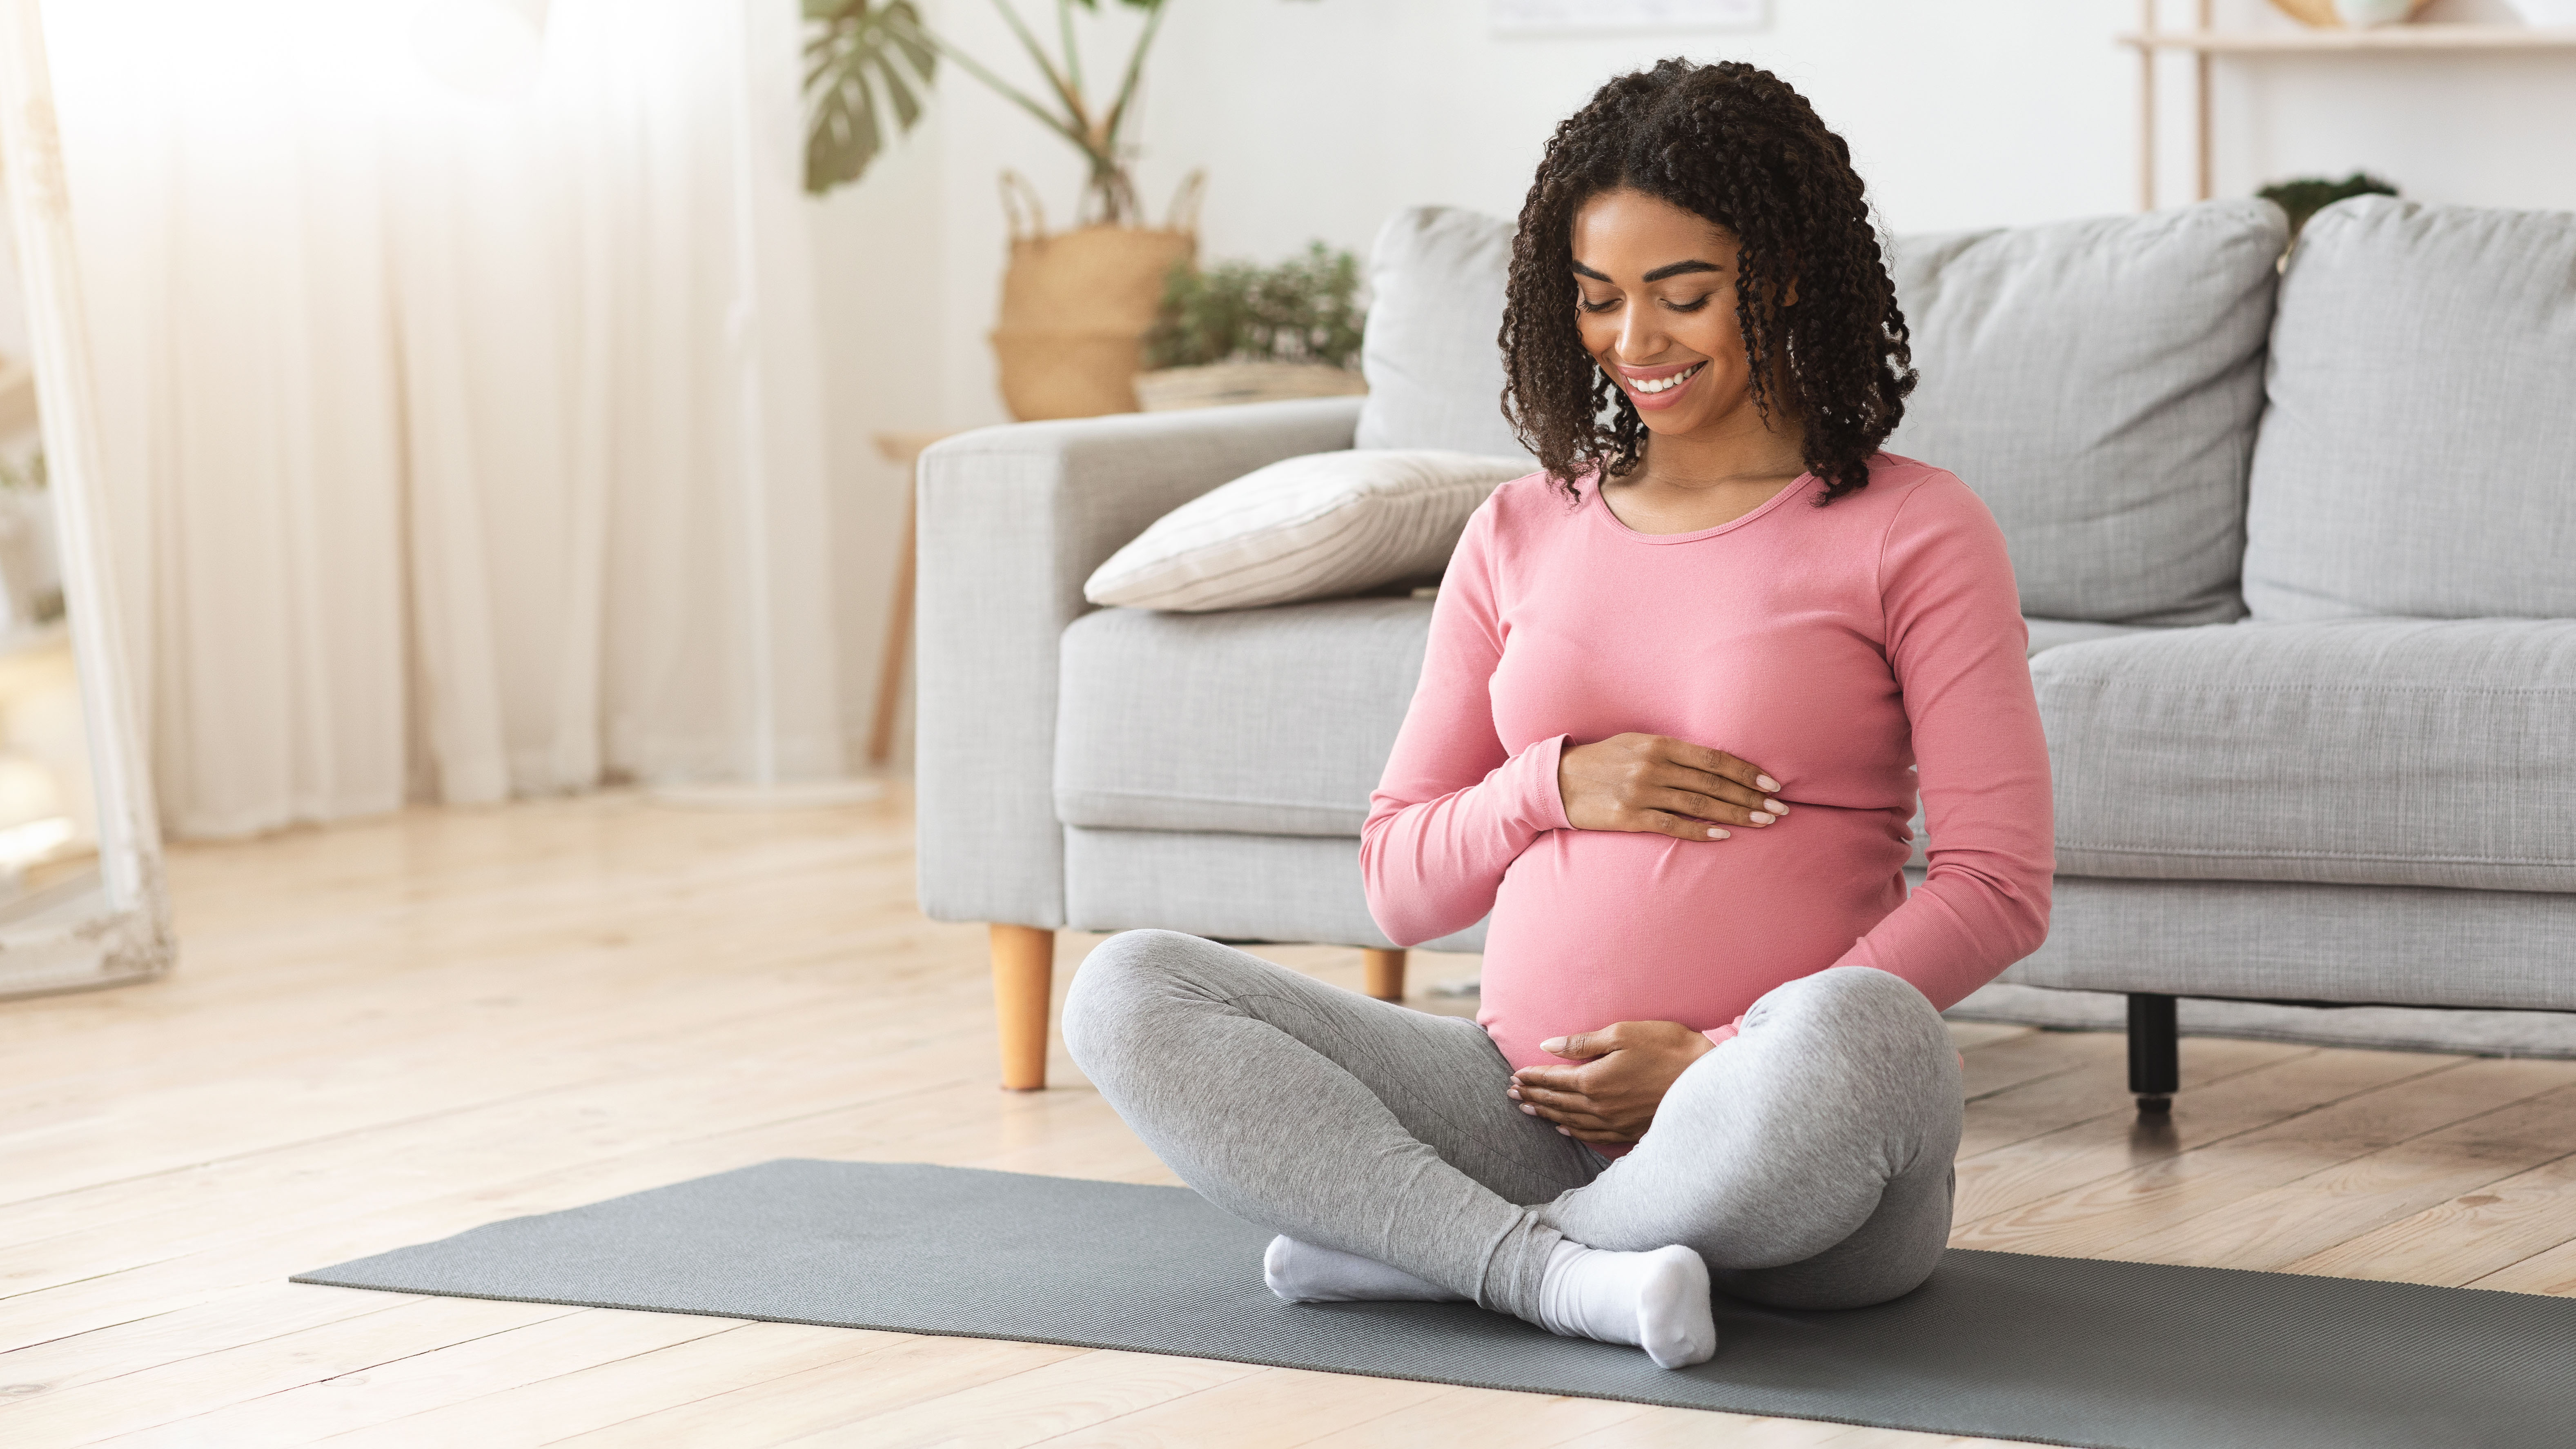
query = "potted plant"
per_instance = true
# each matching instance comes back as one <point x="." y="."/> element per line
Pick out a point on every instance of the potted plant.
<point x="1238" y="333"/>
<point x="2305" y="196"/>
<point x="1075" y="304"/>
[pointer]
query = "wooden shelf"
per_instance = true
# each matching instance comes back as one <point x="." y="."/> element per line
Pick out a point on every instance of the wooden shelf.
<point x="2383" y="38"/>
<point x="2204" y="42"/>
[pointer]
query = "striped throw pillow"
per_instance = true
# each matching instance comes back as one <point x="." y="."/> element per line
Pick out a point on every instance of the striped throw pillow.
<point x="1323" y="526"/>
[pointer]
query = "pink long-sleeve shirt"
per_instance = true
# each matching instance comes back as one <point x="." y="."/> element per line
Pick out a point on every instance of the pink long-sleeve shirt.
<point x="1839" y="649"/>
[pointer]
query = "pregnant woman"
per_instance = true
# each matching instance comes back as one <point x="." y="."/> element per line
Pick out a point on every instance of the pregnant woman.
<point x="1678" y="690"/>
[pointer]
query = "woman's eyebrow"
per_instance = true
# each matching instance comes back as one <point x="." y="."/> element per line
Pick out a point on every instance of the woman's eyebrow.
<point x="1581" y="270"/>
<point x="1678" y="269"/>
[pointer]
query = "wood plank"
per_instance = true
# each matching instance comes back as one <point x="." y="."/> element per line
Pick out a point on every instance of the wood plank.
<point x="829" y="1397"/>
<point x="425" y="1381"/>
<point x="2462" y="1239"/>
<point x="1274" y="1408"/>
<point x="1996" y="1182"/>
<point x="1483" y="1417"/>
<point x="2552" y="1272"/>
<point x="2040" y="1055"/>
<point x="2035" y="1108"/>
<point x="156" y="1395"/>
<point x="1038" y="1405"/>
<point x="620" y="1389"/>
<point x="1970" y="1036"/>
<point x="259" y="1110"/>
<point x="226" y="1320"/>
<point x="2376" y="40"/>
<point x="2280" y="1226"/>
<point x="254" y="963"/>
<point x="2102" y="1219"/>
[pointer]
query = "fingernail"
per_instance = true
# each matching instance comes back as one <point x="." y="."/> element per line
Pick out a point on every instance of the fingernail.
<point x="1761" y="819"/>
<point x="1765" y="782"/>
<point x="1552" y="1045"/>
<point x="1527" y="1110"/>
<point x="1775" y="807"/>
<point x="1564" y="1131"/>
<point x="1716" y="834"/>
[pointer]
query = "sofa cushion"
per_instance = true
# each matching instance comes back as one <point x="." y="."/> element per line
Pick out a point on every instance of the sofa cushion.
<point x="1269" y="721"/>
<point x="1434" y="367"/>
<point x="2419" y="455"/>
<point x="2098" y="384"/>
<point x="2044" y="634"/>
<point x="2050" y="633"/>
<point x="2357" y="751"/>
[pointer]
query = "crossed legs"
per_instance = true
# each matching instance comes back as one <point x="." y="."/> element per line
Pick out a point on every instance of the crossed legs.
<point x="1806" y="1162"/>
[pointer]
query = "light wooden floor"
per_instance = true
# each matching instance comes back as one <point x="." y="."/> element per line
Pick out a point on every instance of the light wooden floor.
<point x="390" y="1032"/>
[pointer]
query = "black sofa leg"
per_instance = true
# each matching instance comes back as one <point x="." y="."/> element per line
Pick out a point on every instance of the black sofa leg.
<point x="2155" y="1063"/>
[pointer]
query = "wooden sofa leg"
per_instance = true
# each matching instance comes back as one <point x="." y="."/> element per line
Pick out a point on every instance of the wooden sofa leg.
<point x="1023" y="988"/>
<point x="2155" y="1052"/>
<point x="1385" y="973"/>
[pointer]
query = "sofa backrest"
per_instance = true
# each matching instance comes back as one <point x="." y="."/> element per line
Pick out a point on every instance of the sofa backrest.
<point x="2419" y="453"/>
<point x="1431" y="354"/>
<point x="2098" y="384"/>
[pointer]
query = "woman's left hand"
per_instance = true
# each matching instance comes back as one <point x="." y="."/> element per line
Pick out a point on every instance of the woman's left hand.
<point x="1611" y="1098"/>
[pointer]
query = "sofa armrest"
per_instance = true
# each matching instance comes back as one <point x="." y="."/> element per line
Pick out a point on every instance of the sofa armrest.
<point x="1012" y="521"/>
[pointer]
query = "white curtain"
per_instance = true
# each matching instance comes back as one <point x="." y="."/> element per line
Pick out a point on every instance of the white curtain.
<point x="464" y="427"/>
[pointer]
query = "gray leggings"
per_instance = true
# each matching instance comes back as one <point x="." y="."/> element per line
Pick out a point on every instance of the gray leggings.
<point x="1808" y="1160"/>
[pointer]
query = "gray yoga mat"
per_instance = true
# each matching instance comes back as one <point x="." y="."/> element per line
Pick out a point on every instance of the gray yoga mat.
<point x="2058" y="1350"/>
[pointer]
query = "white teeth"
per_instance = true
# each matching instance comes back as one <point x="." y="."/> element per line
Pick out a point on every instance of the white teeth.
<point x="1667" y="384"/>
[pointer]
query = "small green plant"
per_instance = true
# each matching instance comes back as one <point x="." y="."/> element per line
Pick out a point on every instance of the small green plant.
<point x="2305" y="196"/>
<point x="29" y="475"/>
<point x="1305" y="309"/>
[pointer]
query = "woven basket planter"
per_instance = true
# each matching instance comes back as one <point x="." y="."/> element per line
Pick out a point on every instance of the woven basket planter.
<point x="1075" y="309"/>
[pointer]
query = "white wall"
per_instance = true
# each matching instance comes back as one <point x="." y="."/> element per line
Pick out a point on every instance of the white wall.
<point x="1317" y="118"/>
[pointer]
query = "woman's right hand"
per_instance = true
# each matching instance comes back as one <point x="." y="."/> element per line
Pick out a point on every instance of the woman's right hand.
<point x="1664" y="786"/>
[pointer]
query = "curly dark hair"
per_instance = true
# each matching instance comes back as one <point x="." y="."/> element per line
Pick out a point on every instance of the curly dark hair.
<point x="1737" y="145"/>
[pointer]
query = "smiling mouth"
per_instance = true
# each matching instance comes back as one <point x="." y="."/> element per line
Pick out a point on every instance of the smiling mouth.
<point x="1652" y="386"/>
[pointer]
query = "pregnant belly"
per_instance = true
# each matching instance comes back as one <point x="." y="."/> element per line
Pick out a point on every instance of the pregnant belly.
<point x="1592" y="927"/>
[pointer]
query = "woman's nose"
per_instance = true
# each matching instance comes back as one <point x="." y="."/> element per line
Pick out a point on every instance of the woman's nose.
<point x="1638" y="337"/>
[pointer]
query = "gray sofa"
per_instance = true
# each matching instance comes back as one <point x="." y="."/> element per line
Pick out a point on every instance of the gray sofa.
<point x="2297" y="543"/>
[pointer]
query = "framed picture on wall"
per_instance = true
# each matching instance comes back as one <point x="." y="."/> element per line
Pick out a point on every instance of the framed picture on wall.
<point x="1550" y="17"/>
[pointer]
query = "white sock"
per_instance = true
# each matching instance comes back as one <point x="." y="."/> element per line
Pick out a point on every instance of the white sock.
<point x="1657" y="1301"/>
<point x="1304" y="1273"/>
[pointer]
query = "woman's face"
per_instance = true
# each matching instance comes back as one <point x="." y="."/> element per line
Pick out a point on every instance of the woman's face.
<point x="1657" y="308"/>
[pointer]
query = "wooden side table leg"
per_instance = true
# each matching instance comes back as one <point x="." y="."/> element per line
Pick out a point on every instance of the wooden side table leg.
<point x="1385" y="973"/>
<point x="1023" y="989"/>
<point x="898" y="640"/>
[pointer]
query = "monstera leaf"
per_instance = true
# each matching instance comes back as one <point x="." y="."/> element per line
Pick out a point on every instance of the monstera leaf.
<point x="868" y="59"/>
<point x="863" y="59"/>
